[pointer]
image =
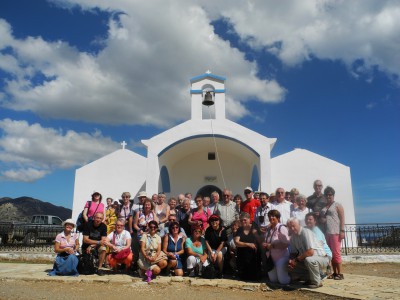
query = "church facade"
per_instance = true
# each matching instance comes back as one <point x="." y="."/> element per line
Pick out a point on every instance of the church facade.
<point x="208" y="153"/>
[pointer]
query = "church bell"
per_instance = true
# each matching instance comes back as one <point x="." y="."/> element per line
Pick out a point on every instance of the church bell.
<point x="208" y="99"/>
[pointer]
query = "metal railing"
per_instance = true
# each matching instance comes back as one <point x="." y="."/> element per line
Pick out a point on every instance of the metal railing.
<point x="382" y="238"/>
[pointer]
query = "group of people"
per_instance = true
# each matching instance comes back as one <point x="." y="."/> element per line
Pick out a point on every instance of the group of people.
<point x="287" y="236"/>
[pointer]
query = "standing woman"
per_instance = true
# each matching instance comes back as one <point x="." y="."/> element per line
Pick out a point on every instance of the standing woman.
<point x="199" y="216"/>
<point x="111" y="215"/>
<point x="151" y="259"/>
<point x="301" y="210"/>
<point x="173" y="246"/>
<point x="238" y="200"/>
<point x="143" y="217"/>
<point x="95" y="206"/>
<point x="66" y="247"/>
<point x="276" y="244"/>
<point x="333" y="217"/>
<point x="162" y="210"/>
<point x="172" y="206"/>
<point x="246" y="244"/>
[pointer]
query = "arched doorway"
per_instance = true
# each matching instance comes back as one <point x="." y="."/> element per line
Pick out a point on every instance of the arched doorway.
<point x="206" y="191"/>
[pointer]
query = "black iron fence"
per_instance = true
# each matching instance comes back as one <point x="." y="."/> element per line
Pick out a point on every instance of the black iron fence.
<point x="383" y="238"/>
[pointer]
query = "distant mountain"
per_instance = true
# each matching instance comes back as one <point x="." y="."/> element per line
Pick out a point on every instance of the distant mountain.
<point x="23" y="208"/>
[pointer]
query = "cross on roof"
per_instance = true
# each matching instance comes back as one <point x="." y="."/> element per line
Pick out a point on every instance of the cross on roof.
<point x="123" y="144"/>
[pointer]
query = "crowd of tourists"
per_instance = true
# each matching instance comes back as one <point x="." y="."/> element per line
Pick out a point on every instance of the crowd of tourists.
<point x="286" y="236"/>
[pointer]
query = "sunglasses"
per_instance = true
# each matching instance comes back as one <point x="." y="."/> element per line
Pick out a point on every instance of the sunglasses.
<point x="197" y="231"/>
<point x="227" y="195"/>
<point x="247" y="192"/>
<point x="175" y="227"/>
<point x="152" y="227"/>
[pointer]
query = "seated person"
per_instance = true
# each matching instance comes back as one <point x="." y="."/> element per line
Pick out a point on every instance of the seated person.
<point x="66" y="247"/>
<point x="94" y="239"/>
<point x="119" y="241"/>
<point x="173" y="246"/>
<point x="307" y="258"/>
<point x="216" y="239"/>
<point x="165" y="230"/>
<point x="196" y="251"/>
<point x="151" y="259"/>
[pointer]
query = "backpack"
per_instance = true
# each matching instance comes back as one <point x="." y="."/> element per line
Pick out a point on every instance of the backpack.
<point x="208" y="272"/>
<point x="80" y="221"/>
<point x="86" y="264"/>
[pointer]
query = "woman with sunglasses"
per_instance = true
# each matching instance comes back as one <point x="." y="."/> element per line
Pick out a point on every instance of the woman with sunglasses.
<point x="119" y="241"/>
<point x="332" y="215"/>
<point x="196" y="251"/>
<point x="216" y="239"/>
<point x="151" y="259"/>
<point x="144" y="216"/>
<point x="93" y="207"/>
<point x="199" y="216"/>
<point x="173" y="246"/>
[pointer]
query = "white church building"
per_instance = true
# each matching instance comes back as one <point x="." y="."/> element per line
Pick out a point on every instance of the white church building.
<point x="208" y="153"/>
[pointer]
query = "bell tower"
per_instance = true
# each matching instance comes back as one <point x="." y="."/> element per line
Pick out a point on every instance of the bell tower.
<point x="209" y="90"/>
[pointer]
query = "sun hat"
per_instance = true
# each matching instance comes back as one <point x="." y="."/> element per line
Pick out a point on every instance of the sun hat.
<point x="68" y="221"/>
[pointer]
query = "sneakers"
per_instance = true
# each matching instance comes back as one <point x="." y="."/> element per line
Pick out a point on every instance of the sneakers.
<point x="100" y="272"/>
<point x="149" y="273"/>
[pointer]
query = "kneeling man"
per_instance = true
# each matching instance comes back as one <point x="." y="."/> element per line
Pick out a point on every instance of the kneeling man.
<point x="307" y="257"/>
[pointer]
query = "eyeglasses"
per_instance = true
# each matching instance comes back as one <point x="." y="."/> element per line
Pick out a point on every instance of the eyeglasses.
<point x="226" y="195"/>
<point x="152" y="227"/>
<point x="175" y="227"/>
<point x="197" y="231"/>
<point x="126" y="197"/>
<point x="280" y="192"/>
<point x="119" y="226"/>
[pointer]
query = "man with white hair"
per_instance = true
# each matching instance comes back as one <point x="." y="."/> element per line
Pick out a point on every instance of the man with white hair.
<point x="282" y="205"/>
<point x="307" y="257"/>
<point x="317" y="201"/>
<point x="226" y="210"/>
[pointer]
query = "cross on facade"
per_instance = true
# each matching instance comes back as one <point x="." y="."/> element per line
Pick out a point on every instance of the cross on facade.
<point x="123" y="144"/>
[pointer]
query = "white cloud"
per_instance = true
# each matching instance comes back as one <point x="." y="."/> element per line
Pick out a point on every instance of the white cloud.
<point x="140" y="76"/>
<point x="30" y="151"/>
<point x="366" y="31"/>
<point x="24" y="175"/>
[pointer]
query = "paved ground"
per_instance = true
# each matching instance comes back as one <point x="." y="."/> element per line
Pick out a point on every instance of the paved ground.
<point x="354" y="286"/>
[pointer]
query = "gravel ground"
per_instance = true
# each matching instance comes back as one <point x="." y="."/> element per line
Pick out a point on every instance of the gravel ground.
<point x="16" y="289"/>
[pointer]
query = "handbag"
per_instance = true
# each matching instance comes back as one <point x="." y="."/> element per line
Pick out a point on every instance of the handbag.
<point x="208" y="271"/>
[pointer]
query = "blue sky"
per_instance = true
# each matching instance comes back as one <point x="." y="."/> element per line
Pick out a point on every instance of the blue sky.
<point x="79" y="77"/>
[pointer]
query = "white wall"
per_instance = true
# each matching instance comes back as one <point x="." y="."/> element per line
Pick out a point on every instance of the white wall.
<point x="300" y="168"/>
<point x="111" y="175"/>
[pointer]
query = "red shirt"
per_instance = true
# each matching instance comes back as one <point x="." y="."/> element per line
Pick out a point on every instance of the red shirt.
<point x="250" y="206"/>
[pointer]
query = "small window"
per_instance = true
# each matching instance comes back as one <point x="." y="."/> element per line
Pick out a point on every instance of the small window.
<point x="211" y="155"/>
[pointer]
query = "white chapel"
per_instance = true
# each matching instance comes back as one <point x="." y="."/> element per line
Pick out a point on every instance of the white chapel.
<point x="209" y="153"/>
